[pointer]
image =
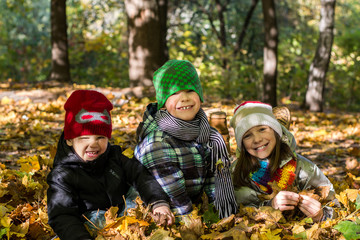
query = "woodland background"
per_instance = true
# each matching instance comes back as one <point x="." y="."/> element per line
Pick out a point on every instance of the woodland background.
<point x="120" y="44"/>
<point x="110" y="46"/>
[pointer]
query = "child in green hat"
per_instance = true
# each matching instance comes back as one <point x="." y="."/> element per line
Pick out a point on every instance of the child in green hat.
<point x="178" y="146"/>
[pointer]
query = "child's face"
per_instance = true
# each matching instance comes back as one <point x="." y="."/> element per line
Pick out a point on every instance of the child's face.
<point x="259" y="141"/>
<point x="184" y="104"/>
<point x="89" y="147"/>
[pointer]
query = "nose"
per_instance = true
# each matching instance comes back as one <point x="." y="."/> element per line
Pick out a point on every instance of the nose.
<point x="184" y="96"/>
<point x="257" y="137"/>
<point x="94" y="143"/>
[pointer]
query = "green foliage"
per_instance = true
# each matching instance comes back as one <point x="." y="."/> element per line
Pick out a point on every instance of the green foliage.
<point x="3" y="232"/>
<point x="24" y="40"/>
<point x="301" y="235"/>
<point x="344" y="75"/>
<point x="97" y="42"/>
<point x="98" y="48"/>
<point x="211" y="215"/>
<point x="350" y="230"/>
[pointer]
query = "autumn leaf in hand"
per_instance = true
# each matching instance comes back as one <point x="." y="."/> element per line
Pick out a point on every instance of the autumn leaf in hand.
<point x="276" y="189"/>
<point x="320" y="193"/>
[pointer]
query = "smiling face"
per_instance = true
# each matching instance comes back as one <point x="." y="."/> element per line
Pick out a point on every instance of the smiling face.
<point x="259" y="141"/>
<point x="184" y="104"/>
<point x="89" y="147"/>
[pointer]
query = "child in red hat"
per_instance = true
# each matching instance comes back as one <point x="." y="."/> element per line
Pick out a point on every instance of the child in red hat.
<point x="90" y="175"/>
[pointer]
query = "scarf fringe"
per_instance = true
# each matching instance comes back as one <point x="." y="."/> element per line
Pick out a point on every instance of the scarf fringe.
<point x="225" y="201"/>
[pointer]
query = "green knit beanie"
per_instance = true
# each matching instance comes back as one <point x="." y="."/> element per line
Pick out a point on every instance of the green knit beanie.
<point x="173" y="76"/>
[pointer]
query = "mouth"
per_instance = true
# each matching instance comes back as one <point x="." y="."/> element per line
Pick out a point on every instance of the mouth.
<point x="185" y="107"/>
<point x="92" y="154"/>
<point x="261" y="147"/>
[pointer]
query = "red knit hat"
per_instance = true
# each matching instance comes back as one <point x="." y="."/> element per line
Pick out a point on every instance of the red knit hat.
<point x="87" y="113"/>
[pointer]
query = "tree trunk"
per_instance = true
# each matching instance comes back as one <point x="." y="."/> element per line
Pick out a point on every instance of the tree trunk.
<point x="270" y="52"/>
<point x="147" y="39"/>
<point x="314" y="99"/>
<point x="60" y="70"/>
<point x="245" y="27"/>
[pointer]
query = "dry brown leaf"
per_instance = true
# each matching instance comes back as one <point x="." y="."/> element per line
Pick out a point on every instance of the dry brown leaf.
<point x="224" y="224"/>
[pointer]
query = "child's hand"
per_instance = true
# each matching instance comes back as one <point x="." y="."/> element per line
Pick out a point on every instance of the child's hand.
<point x="285" y="200"/>
<point x="311" y="208"/>
<point x="163" y="216"/>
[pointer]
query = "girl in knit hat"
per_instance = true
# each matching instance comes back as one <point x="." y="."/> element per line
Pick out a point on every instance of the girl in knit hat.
<point x="178" y="146"/>
<point x="89" y="175"/>
<point x="267" y="155"/>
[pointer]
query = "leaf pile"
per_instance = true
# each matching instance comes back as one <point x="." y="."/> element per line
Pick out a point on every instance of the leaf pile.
<point x="29" y="132"/>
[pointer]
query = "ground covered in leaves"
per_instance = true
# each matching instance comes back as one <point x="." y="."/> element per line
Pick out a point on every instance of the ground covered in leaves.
<point x="31" y="125"/>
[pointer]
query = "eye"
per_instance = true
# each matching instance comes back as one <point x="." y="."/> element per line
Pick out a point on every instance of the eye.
<point x="190" y="91"/>
<point x="246" y="136"/>
<point x="101" y="137"/>
<point x="262" y="129"/>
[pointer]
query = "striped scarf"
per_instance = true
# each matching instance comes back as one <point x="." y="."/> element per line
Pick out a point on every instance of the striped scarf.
<point x="199" y="130"/>
<point x="283" y="177"/>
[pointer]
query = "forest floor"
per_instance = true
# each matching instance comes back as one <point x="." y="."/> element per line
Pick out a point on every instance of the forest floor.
<point x="31" y="122"/>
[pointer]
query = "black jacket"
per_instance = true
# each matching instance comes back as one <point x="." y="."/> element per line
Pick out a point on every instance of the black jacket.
<point x="76" y="187"/>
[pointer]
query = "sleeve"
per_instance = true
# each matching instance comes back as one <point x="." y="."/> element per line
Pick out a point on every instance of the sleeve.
<point x="310" y="176"/>
<point x="160" y="159"/>
<point x="146" y="185"/>
<point x="63" y="211"/>
<point x="247" y="197"/>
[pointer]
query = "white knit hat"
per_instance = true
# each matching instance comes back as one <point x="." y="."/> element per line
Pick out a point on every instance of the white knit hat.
<point x="250" y="114"/>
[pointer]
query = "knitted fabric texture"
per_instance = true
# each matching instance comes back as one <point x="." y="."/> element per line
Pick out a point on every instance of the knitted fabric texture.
<point x="173" y="76"/>
<point x="284" y="177"/>
<point x="87" y="113"/>
<point x="250" y="114"/>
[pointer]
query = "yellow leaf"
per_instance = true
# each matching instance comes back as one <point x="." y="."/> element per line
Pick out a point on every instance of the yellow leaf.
<point x="313" y="232"/>
<point x="3" y="191"/>
<point x="128" y="153"/>
<point x="3" y="210"/>
<point x="298" y="229"/>
<point x="161" y="234"/>
<point x="270" y="235"/>
<point x="320" y="133"/>
<point x="20" y="230"/>
<point x="25" y="180"/>
<point x="187" y="33"/>
<point x="29" y="164"/>
<point x="5" y="100"/>
<point x="5" y="221"/>
<point x="343" y="198"/>
<point x="145" y="101"/>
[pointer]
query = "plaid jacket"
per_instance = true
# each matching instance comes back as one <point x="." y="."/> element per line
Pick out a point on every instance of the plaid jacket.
<point x="182" y="168"/>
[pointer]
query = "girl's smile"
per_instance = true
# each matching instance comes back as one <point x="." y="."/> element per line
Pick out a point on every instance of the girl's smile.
<point x="259" y="141"/>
